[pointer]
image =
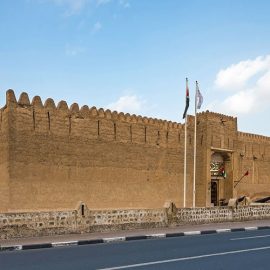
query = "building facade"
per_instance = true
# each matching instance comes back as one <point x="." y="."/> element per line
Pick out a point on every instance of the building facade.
<point x="56" y="157"/>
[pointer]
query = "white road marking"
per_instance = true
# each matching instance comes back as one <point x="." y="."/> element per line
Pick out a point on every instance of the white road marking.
<point x="185" y="258"/>
<point x="17" y="247"/>
<point x="223" y="230"/>
<point x="251" y="228"/>
<point x="251" y="237"/>
<point x="192" y="233"/>
<point x="157" y="235"/>
<point x="62" y="244"/>
<point x="114" y="239"/>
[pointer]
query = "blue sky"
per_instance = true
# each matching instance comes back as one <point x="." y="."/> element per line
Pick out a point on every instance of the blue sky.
<point x="134" y="55"/>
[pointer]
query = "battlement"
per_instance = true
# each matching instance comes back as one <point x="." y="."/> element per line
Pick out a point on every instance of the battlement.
<point x="84" y="111"/>
<point x="35" y="117"/>
<point x="63" y="154"/>
<point x="253" y="137"/>
<point x="54" y="156"/>
<point x="213" y="115"/>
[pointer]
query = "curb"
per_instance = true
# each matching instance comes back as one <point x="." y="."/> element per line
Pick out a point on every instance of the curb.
<point x="127" y="238"/>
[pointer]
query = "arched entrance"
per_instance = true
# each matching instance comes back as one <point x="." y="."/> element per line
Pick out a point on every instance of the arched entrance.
<point x="219" y="167"/>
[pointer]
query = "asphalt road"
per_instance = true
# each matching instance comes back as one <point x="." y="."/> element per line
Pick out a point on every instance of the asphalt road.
<point x="237" y="250"/>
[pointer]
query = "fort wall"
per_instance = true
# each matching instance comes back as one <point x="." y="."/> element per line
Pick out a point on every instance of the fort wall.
<point x="253" y="154"/>
<point x="54" y="157"/>
<point x="61" y="156"/>
<point x="4" y="168"/>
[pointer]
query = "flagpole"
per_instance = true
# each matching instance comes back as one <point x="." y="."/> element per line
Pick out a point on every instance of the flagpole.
<point x="185" y="156"/>
<point x="185" y="163"/>
<point x="195" y="148"/>
<point x="237" y="182"/>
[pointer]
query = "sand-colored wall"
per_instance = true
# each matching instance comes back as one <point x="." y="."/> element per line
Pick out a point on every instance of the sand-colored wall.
<point x="54" y="157"/>
<point x="61" y="156"/>
<point x="244" y="151"/>
<point x="214" y="132"/>
<point x="253" y="152"/>
<point x="4" y="166"/>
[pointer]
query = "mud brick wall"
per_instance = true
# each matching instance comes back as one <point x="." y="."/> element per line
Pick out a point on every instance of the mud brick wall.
<point x="253" y="155"/>
<point x="53" y="157"/>
<point x="59" y="155"/>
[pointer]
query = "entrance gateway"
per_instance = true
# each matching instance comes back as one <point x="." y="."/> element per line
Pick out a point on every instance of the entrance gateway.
<point x="219" y="167"/>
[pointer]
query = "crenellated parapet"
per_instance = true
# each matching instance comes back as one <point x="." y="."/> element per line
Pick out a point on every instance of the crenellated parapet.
<point x="91" y="122"/>
<point x="101" y="113"/>
<point x="88" y="122"/>
<point x="217" y="117"/>
<point x="214" y="115"/>
<point x="253" y="137"/>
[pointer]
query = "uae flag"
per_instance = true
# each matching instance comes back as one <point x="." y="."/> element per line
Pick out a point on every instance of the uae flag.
<point x="187" y="100"/>
<point x="222" y="172"/>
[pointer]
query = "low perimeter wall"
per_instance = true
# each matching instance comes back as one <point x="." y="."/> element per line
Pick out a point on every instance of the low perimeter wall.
<point x="14" y="225"/>
<point x="220" y="214"/>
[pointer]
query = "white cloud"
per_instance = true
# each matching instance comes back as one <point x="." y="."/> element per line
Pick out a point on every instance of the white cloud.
<point x="97" y="27"/>
<point x="241" y="102"/>
<point x="250" y="81"/>
<point x="263" y="84"/>
<point x="237" y="75"/>
<point x="129" y="103"/>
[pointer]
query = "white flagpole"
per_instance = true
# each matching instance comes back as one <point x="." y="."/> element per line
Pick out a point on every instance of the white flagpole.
<point x="185" y="157"/>
<point x="195" y="147"/>
<point x="185" y="163"/>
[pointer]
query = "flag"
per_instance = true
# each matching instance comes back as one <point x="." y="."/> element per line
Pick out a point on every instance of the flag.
<point x="222" y="172"/>
<point x="199" y="98"/>
<point x="187" y="100"/>
<point x="246" y="174"/>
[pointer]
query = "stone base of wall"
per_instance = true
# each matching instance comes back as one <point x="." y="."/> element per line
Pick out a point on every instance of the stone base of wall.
<point x="220" y="214"/>
<point x="82" y="220"/>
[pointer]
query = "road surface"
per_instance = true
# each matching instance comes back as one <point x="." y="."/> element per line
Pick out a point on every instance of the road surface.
<point x="233" y="250"/>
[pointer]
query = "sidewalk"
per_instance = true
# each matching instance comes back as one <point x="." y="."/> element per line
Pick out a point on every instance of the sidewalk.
<point x="101" y="237"/>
